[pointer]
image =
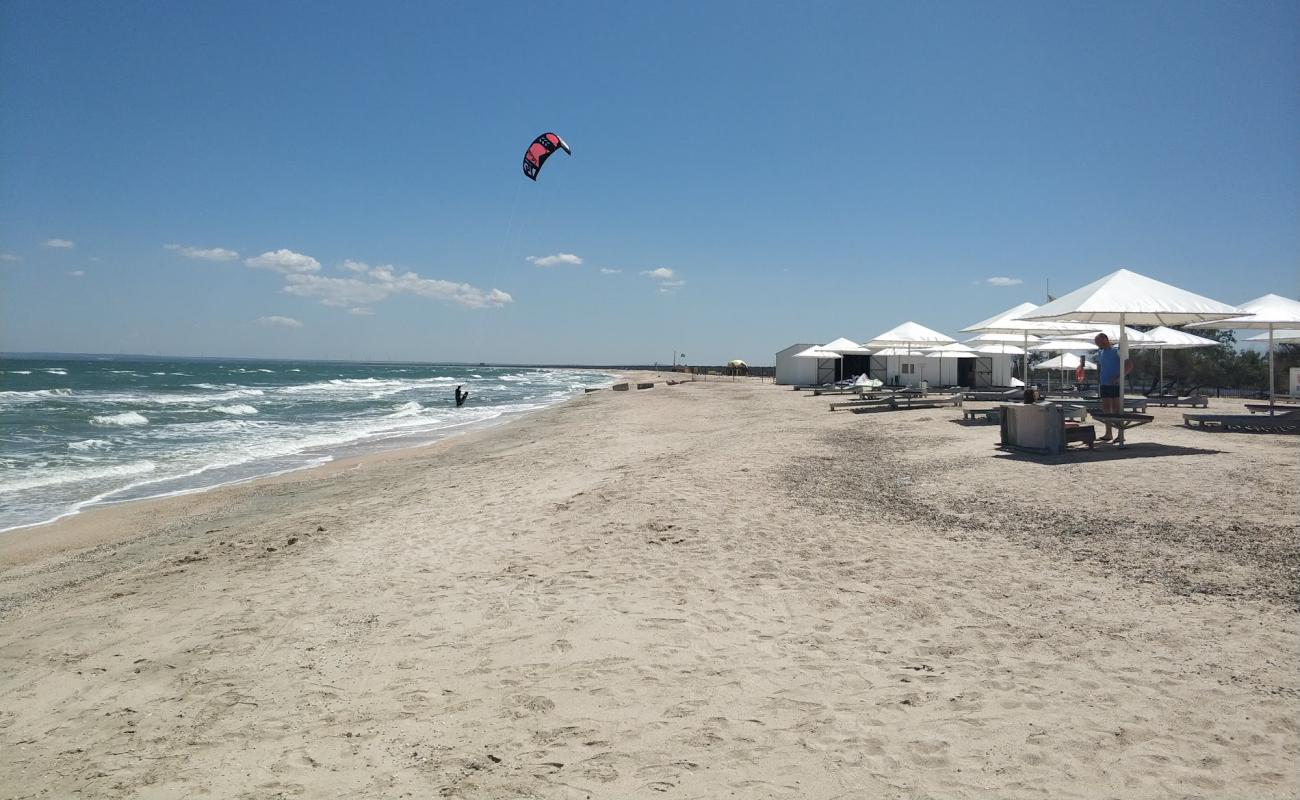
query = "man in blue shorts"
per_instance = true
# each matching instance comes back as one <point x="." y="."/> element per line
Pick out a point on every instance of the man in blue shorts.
<point x="1108" y="378"/>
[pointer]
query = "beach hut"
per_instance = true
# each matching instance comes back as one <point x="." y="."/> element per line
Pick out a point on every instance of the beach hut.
<point x="854" y="358"/>
<point x="904" y="349"/>
<point x="804" y="365"/>
<point x="1125" y="297"/>
<point x="956" y="367"/>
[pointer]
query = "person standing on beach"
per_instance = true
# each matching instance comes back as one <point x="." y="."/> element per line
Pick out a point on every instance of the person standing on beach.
<point x="461" y="397"/>
<point x="1108" y="378"/>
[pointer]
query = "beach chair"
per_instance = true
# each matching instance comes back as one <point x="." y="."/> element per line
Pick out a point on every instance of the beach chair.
<point x="1287" y="422"/>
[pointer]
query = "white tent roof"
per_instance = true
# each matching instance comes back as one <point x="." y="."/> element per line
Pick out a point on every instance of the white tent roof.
<point x="1278" y="336"/>
<point x="1163" y="338"/>
<point x="1125" y="297"/>
<point x="1012" y="321"/>
<point x="846" y="347"/>
<point x="1065" y="361"/>
<point x="815" y="352"/>
<point x="1269" y="311"/>
<point x="899" y="351"/>
<point x="908" y="334"/>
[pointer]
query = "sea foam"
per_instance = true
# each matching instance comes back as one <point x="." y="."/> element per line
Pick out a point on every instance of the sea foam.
<point x="125" y="419"/>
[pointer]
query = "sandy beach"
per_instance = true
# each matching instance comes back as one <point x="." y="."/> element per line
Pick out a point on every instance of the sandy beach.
<point x="716" y="589"/>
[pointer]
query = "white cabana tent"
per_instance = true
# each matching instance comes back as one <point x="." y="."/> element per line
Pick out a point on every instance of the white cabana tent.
<point x="1013" y="322"/>
<point x="1063" y="346"/>
<point x="1269" y="312"/>
<point x="907" y="342"/>
<point x="1125" y="297"/>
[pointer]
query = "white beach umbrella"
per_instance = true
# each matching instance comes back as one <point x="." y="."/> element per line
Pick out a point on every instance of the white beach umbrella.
<point x="1277" y="336"/>
<point x="906" y="339"/>
<point x="1164" y="338"/>
<point x="995" y="348"/>
<point x="1125" y="297"/>
<point x="846" y="347"/>
<point x="954" y="350"/>
<point x="1269" y="312"/>
<point x="1003" y="338"/>
<point x="1012" y="321"/>
<point x="1063" y="346"/>
<point x="1066" y="361"/>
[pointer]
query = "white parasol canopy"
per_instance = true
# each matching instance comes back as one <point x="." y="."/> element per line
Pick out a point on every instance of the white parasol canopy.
<point x="1272" y="311"/>
<point x="909" y="334"/>
<point x="1012" y="321"/>
<point x="1066" y="361"/>
<point x="1063" y="346"/>
<point x="1164" y="338"/>
<point x="996" y="348"/>
<point x="815" y="351"/>
<point x="1278" y="336"/>
<point x="1007" y="338"/>
<point x="1124" y="297"/>
<point x="954" y="350"/>
<point x="846" y="347"/>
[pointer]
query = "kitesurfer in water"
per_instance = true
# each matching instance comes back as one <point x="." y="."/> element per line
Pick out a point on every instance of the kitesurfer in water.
<point x="461" y="397"/>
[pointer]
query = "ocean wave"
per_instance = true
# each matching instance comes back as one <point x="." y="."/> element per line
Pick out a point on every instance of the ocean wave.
<point x="409" y="409"/>
<point x="55" y="371"/>
<point x="90" y="444"/>
<point x="60" y="476"/>
<point x="126" y="418"/>
<point x="34" y="396"/>
<point x="240" y="409"/>
<point x="19" y="372"/>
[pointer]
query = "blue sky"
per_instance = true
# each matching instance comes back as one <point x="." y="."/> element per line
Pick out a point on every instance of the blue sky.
<point x="342" y="180"/>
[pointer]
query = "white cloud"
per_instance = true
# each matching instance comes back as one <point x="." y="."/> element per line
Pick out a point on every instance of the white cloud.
<point x="378" y="283"/>
<point x="77" y="273"/>
<point x="9" y="257"/>
<point x="558" y="258"/>
<point x="608" y="271"/>
<point x="286" y="322"/>
<point x="361" y="311"/>
<point x="1000" y="281"/>
<point x="285" y="261"/>
<point x="337" y="292"/>
<point x="204" y="253"/>
<point x="355" y="266"/>
<point x="59" y="244"/>
<point x="663" y="273"/>
<point x="672" y="284"/>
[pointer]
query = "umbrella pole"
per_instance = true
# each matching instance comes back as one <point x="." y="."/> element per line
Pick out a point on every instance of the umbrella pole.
<point x="1272" y="394"/>
<point x="1123" y="359"/>
<point x="1162" y="371"/>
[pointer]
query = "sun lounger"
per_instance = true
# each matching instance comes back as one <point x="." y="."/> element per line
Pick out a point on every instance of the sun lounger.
<point x="1001" y="394"/>
<point x="1131" y="404"/>
<point x="901" y="400"/>
<point x="1288" y="422"/>
<point x="993" y="415"/>
<point x="1265" y="408"/>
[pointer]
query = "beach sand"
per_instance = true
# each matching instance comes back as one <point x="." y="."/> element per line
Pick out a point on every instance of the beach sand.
<point x="717" y="589"/>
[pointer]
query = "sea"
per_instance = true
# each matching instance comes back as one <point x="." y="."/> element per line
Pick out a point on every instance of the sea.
<point x="83" y="431"/>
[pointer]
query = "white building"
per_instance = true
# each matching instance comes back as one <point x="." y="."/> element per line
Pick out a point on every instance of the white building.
<point x="792" y="371"/>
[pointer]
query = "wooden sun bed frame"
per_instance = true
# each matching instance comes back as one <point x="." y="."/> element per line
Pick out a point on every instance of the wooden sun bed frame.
<point x="897" y="401"/>
<point x="1288" y="422"/>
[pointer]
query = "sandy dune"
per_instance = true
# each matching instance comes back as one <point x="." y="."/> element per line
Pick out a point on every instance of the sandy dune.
<point x="709" y="590"/>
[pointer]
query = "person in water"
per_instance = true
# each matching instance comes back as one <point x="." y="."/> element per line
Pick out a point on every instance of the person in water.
<point x="461" y="397"/>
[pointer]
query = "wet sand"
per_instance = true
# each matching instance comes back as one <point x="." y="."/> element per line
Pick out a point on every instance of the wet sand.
<point x="707" y="590"/>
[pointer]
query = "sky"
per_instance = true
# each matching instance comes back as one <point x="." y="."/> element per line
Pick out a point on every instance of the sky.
<point x="343" y="180"/>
